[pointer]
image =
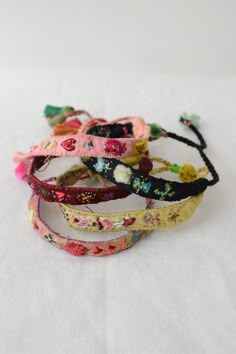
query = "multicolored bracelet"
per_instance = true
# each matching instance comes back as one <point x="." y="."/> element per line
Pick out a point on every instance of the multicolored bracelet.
<point x="108" y="150"/>
<point x="135" y="181"/>
<point x="79" y="247"/>
<point x="153" y="218"/>
<point x="70" y="195"/>
<point x="84" y="144"/>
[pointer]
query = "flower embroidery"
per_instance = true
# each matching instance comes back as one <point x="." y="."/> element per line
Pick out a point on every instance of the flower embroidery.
<point x="90" y="144"/>
<point x="167" y="192"/>
<point x="81" y="222"/>
<point x="173" y="218"/>
<point x="112" y="248"/>
<point x="60" y="196"/>
<point x="122" y="174"/>
<point x="69" y="144"/>
<point x="35" y="225"/>
<point x="49" y="238"/>
<point x="86" y="197"/>
<point x="148" y="218"/>
<point x="76" y="249"/>
<point x="101" y="165"/>
<point x="127" y="221"/>
<point x="104" y="223"/>
<point x="97" y="250"/>
<point x="115" y="147"/>
<point x="139" y="184"/>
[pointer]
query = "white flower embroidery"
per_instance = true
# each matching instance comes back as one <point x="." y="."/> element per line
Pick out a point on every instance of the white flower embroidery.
<point x="122" y="174"/>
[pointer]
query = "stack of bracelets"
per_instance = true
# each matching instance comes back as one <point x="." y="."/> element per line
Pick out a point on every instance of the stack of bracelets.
<point x="117" y="152"/>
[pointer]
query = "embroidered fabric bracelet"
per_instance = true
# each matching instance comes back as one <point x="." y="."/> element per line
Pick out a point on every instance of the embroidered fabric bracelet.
<point x="140" y="183"/>
<point x="57" y="117"/>
<point x="79" y="247"/>
<point x="154" y="218"/>
<point x="73" y="195"/>
<point x="70" y="195"/>
<point x="90" y="145"/>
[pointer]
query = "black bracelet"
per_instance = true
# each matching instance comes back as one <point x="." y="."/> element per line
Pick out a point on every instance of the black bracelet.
<point x="141" y="183"/>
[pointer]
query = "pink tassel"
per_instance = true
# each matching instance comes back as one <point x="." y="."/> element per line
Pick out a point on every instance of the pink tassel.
<point x="21" y="171"/>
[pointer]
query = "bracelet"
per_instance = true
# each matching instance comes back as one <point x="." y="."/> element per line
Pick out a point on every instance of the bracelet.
<point x="84" y="144"/>
<point x="140" y="183"/>
<point x="70" y="195"/>
<point x="153" y="218"/>
<point x="79" y="247"/>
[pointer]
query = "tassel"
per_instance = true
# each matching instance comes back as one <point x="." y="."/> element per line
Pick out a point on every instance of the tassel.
<point x="51" y="111"/>
<point x="21" y="171"/>
<point x="193" y="119"/>
<point x="56" y="115"/>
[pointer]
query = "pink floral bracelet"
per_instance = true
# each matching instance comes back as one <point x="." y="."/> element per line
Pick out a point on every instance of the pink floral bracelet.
<point x="79" y="247"/>
<point x="83" y="144"/>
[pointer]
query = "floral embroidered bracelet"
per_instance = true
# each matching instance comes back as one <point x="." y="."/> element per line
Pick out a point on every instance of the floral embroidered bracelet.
<point x="154" y="218"/>
<point x="70" y="195"/>
<point x="140" y="183"/>
<point x="80" y="247"/>
<point x="84" y="144"/>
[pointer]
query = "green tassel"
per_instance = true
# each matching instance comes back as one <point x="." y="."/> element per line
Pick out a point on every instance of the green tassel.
<point x="56" y="114"/>
<point x="156" y="130"/>
<point x="194" y="118"/>
<point x="50" y="111"/>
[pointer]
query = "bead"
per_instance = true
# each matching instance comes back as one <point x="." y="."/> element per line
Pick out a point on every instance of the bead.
<point x="187" y="173"/>
<point x="175" y="168"/>
<point x="156" y="130"/>
<point x="192" y="118"/>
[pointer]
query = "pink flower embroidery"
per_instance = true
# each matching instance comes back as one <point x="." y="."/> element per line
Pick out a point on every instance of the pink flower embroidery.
<point x="75" y="249"/>
<point x="111" y="249"/>
<point x="107" y="223"/>
<point x="97" y="250"/>
<point x="69" y="144"/>
<point x="128" y="221"/>
<point x="60" y="196"/>
<point x="81" y="222"/>
<point x="115" y="147"/>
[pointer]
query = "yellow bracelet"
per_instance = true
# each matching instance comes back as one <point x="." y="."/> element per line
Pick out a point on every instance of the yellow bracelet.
<point x="148" y="219"/>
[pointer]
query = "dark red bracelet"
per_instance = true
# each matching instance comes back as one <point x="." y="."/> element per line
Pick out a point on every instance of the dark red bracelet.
<point x="70" y="195"/>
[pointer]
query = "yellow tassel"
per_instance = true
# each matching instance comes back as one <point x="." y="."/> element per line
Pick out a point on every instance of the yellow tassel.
<point x="187" y="173"/>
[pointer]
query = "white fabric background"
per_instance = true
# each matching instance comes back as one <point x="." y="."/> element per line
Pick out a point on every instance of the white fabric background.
<point x="175" y="291"/>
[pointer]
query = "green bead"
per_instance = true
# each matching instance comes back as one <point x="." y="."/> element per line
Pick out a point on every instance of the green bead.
<point x="156" y="130"/>
<point x="175" y="168"/>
